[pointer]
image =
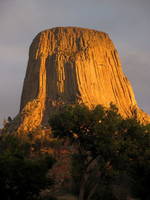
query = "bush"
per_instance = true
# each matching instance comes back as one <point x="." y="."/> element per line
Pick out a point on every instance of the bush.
<point x="22" y="176"/>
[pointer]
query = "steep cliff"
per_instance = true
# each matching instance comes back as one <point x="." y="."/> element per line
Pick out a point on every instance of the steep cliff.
<point x="70" y="65"/>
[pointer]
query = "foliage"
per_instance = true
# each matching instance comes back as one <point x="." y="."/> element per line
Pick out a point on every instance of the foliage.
<point x="22" y="176"/>
<point x="108" y="146"/>
<point x="12" y="144"/>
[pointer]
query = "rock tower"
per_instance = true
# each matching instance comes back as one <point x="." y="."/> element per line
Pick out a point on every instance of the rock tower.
<point x="69" y="65"/>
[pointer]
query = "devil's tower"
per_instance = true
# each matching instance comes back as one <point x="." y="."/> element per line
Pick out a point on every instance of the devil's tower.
<point x="70" y="65"/>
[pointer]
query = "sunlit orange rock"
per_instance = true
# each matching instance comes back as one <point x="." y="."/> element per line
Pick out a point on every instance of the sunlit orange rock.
<point x="69" y="65"/>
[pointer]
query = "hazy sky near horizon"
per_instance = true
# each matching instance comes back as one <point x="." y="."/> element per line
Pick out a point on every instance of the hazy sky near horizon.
<point x="126" y="21"/>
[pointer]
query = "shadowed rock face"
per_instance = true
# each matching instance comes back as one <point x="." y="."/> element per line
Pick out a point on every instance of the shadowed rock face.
<point x="70" y="65"/>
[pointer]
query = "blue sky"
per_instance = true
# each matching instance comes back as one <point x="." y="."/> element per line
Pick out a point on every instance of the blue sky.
<point x="126" y="21"/>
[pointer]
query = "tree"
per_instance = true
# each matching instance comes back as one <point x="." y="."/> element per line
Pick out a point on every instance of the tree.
<point x="107" y="145"/>
<point x="139" y="153"/>
<point x="22" y="177"/>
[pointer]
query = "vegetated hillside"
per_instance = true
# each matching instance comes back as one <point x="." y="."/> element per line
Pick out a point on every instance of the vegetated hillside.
<point x="98" y="155"/>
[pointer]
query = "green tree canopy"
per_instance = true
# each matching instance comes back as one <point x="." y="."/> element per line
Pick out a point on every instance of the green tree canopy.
<point x="108" y="146"/>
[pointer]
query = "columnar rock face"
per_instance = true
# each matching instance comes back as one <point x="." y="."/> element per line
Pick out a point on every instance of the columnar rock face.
<point x="69" y="65"/>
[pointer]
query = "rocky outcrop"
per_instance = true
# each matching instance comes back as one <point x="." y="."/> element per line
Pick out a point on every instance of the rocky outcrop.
<point x="69" y="65"/>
